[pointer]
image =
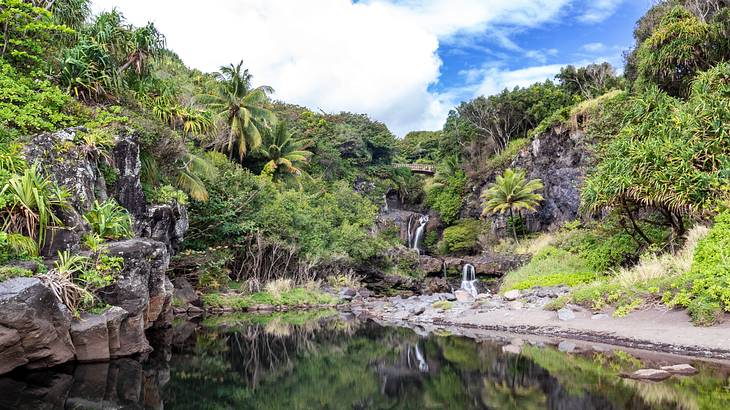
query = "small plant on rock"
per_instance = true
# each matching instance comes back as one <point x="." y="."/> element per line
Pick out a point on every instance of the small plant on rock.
<point x="109" y="220"/>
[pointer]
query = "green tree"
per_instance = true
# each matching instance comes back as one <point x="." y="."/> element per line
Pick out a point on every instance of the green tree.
<point x="512" y="192"/>
<point x="679" y="47"/>
<point x="242" y="110"/>
<point x="286" y="154"/>
<point x="26" y="33"/>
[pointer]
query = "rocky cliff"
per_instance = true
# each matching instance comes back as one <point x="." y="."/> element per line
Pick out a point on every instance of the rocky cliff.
<point x="561" y="158"/>
<point x="36" y="330"/>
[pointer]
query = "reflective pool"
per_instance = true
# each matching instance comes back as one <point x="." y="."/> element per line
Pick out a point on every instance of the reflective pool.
<point x="319" y="361"/>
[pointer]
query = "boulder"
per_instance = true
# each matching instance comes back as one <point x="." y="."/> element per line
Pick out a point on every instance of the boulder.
<point x="141" y="278"/>
<point x="436" y="285"/>
<point x="515" y="305"/>
<point x="347" y="294"/>
<point x="132" y="339"/>
<point x="495" y="264"/>
<point x="650" y="374"/>
<point x="566" y="314"/>
<point x="429" y="264"/>
<point x="463" y="296"/>
<point x="452" y="263"/>
<point x="682" y="369"/>
<point x="512" y="295"/>
<point x="36" y="323"/>
<point x="567" y="346"/>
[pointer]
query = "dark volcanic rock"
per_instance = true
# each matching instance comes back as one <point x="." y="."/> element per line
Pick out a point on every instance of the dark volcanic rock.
<point x="167" y="224"/>
<point x="31" y="313"/>
<point x="429" y="264"/>
<point x="140" y="287"/>
<point x="90" y="338"/>
<point x="184" y="292"/>
<point x="560" y="158"/>
<point x="128" y="187"/>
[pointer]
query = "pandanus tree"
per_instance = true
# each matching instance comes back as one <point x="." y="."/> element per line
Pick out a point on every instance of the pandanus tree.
<point x="241" y="110"/>
<point x="511" y="192"/>
<point x="286" y="154"/>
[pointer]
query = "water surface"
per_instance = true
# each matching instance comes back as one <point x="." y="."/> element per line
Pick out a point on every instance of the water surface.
<point x="319" y="361"/>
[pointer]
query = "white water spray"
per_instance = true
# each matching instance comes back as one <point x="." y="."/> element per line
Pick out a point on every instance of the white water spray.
<point x="469" y="280"/>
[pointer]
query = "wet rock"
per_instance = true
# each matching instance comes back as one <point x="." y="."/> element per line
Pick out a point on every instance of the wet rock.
<point x="512" y="295"/>
<point x="463" y="296"/>
<point x="90" y="338"/>
<point x="429" y="264"/>
<point x="682" y="369"/>
<point x="650" y="374"/>
<point x="32" y="317"/>
<point x="453" y="264"/>
<point x="566" y="314"/>
<point x="566" y="346"/>
<point x="132" y="338"/>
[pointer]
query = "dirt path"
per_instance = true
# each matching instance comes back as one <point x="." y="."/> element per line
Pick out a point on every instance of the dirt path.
<point x="652" y="330"/>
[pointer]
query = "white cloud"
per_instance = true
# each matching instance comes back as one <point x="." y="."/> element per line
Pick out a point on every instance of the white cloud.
<point x="376" y="56"/>
<point x="593" y="47"/>
<point x="599" y="10"/>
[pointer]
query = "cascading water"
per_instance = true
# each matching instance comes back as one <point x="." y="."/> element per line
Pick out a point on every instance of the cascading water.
<point x="414" y="239"/>
<point x="385" y="202"/>
<point x="469" y="280"/>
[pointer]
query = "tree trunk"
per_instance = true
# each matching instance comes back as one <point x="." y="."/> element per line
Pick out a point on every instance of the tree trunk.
<point x="514" y="230"/>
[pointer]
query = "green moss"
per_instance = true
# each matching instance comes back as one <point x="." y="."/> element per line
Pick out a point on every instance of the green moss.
<point x="442" y="304"/>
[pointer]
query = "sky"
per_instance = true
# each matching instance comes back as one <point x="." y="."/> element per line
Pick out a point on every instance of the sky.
<point x="403" y="62"/>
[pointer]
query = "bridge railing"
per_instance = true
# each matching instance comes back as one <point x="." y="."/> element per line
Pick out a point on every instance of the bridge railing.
<point x="423" y="168"/>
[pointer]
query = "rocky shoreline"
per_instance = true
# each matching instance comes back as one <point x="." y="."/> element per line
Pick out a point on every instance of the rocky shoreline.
<point x="523" y="314"/>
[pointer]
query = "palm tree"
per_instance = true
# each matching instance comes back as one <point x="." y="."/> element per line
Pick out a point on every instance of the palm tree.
<point x="512" y="192"/>
<point x="286" y="155"/>
<point x="241" y="108"/>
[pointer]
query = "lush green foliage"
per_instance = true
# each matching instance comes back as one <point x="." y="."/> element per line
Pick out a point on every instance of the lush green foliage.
<point x="670" y="155"/>
<point x="512" y="192"/>
<point x="109" y="220"/>
<point x="679" y="47"/>
<point x="285" y="155"/>
<point x="31" y="105"/>
<point x="445" y="194"/>
<point x="460" y="238"/>
<point x="9" y="272"/>
<point x="705" y="290"/>
<point x="27" y="33"/>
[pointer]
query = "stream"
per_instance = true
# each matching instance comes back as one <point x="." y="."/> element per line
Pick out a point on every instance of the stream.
<point x="329" y="360"/>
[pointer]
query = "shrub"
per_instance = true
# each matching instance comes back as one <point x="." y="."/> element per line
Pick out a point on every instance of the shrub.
<point x="460" y="238"/>
<point x="705" y="290"/>
<point x="445" y="198"/>
<point x="167" y="194"/>
<point x="601" y="249"/>
<point x="31" y="105"/>
<point x="109" y="220"/>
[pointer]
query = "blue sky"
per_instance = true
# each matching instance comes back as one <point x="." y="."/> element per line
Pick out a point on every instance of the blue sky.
<point x="403" y="62"/>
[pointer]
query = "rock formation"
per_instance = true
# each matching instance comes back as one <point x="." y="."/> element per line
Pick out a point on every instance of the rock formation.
<point x="36" y="330"/>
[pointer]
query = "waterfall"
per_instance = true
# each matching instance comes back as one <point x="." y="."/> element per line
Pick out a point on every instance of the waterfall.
<point x="468" y="279"/>
<point x="422" y="365"/>
<point x="415" y="239"/>
<point x="385" y="201"/>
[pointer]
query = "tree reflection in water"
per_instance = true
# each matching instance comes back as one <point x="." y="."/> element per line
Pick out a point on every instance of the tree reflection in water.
<point x="317" y="360"/>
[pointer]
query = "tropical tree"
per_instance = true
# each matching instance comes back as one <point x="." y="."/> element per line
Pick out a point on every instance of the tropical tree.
<point x="286" y="154"/>
<point x="512" y="192"/>
<point x="241" y="109"/>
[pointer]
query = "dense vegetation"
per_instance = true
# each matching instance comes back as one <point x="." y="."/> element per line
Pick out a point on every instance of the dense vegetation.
<point x="277" y="191"/>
